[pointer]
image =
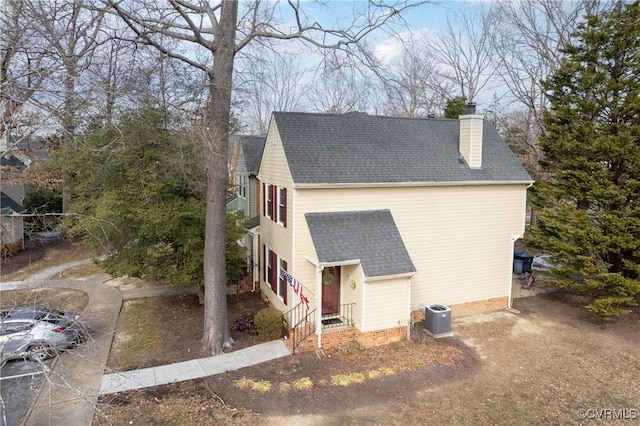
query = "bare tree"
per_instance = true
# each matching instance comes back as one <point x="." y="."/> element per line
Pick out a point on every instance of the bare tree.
<point x="415" y="88"/>
<point x="340" y="90"/>
<point x="215" y="33"/>
<point x="464" y="50"/>
<point x="71" y="32"/>
<point x="268" y="81"/>
<point x="527" y="43"/>
<point x="527" y="46"/>
<point x="22" y="66"/>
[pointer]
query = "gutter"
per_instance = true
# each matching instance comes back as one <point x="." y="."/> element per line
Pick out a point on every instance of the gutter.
<point x="404" y="184"/>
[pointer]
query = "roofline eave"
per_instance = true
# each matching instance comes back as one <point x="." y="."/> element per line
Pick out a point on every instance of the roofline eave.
<point x="319" y="264"/>
<point x="415" y="184"/>
<point x="390" y="277"/>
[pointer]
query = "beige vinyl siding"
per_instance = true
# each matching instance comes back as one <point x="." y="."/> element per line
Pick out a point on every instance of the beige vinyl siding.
<point x="274" y="170"/>
<point x="352" y="295"/>
<point x="471" y="139"/>
<point x="252" y="196"/>
<point x="386" y="304"/>
<point x="458" y="237"/>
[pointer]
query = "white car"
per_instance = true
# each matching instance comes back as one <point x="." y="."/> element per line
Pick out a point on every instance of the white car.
<point x="37" y="333"/>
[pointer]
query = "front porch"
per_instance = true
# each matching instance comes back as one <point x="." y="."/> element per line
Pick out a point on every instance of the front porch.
<point x="301" y="325"/>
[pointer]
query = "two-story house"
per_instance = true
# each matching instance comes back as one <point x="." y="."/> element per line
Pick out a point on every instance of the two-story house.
<point x="368" y="219"/>
<point x="11" y="198"/>
<point x="245" y="153"/>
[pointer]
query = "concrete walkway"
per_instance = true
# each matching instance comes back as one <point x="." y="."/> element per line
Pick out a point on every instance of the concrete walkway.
<point x="69" y="395"/>
<point x="194" y="369"/>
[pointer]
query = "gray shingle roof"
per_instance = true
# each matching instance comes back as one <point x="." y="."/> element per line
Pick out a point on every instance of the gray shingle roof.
<point x="252" y="146"/>
<point x="7" y="202"/>
<point x="371" y="236"/>
<point x="11" y="161"/>
<point x="362" y="148"/>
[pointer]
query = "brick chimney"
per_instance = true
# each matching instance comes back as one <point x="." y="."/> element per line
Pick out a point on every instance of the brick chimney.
<point x="471" y="137"/>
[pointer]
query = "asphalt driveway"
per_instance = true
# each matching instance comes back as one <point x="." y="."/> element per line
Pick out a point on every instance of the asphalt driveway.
<point x="19" y="382"/>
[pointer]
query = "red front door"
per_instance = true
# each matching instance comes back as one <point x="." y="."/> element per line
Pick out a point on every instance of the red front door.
<point x="331" y="290"/>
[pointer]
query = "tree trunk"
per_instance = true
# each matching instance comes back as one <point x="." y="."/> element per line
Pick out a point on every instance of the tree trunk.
<point x="216" y="329"/>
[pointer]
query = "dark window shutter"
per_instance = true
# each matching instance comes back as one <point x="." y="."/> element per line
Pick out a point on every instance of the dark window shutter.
<point x="274" y="202"/>
<point x="264" y="199"/>
<point x="274" y="272"/>
<point x="264" y="263"/>
<point x="284" y="216"/>
<point x="286" y="284"/>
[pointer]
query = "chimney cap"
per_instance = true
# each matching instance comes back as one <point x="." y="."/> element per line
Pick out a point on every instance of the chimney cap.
<point x="471" y="108"/>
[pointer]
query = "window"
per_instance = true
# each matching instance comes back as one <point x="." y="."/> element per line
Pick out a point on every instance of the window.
<point x="273" y="266"/>
<point x="282" y="206"/>
<point x="242" y="186"/>
<point x="16" y="327"/>
<point x="275" y="203"/>
<point x="269" y="201"/>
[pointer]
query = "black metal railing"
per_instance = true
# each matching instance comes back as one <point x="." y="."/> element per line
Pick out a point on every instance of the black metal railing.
<point x="300" y="324"/>
<point x="344" y="317"/>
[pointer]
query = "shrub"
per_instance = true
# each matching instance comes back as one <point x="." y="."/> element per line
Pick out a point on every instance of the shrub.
<point x="244" y="323"/>
<point x="268" y="322"/>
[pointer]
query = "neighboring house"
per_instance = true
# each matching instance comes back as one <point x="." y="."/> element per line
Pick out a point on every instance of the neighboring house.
<point x="11" y="197"/>
<point x="28" y="150"/>
<point x="245" y="153"/>
<point x="17" y="155"/>
<point x="373" y="218"/>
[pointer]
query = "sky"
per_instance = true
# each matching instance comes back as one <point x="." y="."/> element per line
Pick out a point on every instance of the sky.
<point x="416" y="22"/>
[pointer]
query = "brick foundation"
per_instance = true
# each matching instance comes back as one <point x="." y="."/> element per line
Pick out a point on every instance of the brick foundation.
<point x="333" y="337"/>
<point x="340" y="336"/>
<point x="471" y="308"/>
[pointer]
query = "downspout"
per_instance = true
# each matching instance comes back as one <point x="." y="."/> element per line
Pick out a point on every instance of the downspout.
<point x="513" y="240"/>
<point x="410" y="322"/>
<point x="510" y="300"/>
<point x="255" y="251"/>
<point x="319" y="270"/>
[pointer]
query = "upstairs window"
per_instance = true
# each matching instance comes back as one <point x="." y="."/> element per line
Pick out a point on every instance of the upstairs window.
<point x="275" y="203"/>
<point x="282" y="206"/>
<point x="242" y="186"/>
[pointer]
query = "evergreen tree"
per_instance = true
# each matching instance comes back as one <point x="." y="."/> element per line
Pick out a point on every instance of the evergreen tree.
<point x="455" y="107"/>
<point x="589" y="206"/>
<point x="139" y="192"/>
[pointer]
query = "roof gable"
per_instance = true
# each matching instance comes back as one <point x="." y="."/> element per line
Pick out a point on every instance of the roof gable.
<point x="362" y="148"/>
<point x="370" y="236"/>
<point x="252" y="148"/>
<point x="7" y="203"/>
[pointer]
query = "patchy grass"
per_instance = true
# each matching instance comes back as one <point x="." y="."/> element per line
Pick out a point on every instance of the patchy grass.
<point x="64" y="299"/>
<point x="374" y="374"/>
<point x="261" y="386"/>
<point x="387" y="371"/>
<point x="347" y="379"/>
<point x="244" y="383"/>
<point x="52" y="258"/>
<point x="82" y="271"/>
<point x="303" y="384"/>
<point x="138" y="337"/>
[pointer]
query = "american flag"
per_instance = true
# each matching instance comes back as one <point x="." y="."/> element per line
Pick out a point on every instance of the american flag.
<point x="297" y="287"/>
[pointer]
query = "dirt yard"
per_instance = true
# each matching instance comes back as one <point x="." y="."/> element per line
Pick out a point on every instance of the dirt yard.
<point x="549" y="363"/>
